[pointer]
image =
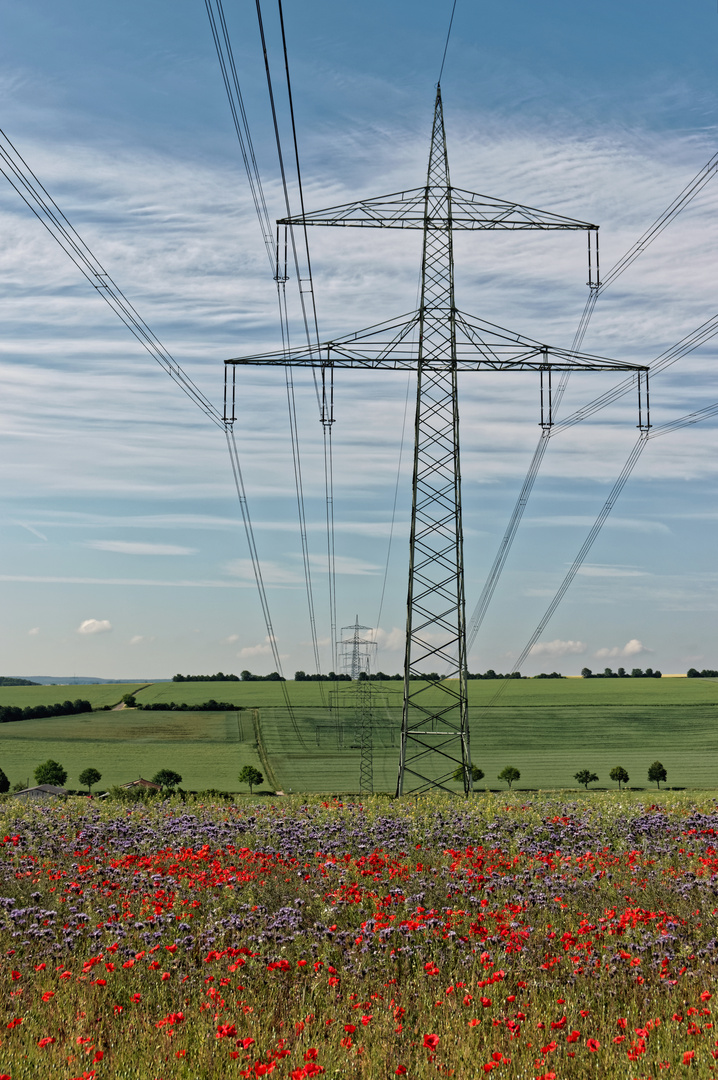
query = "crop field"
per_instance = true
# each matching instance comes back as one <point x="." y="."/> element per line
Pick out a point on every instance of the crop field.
<point x="97" y="695"/>
<point x="529" y="937"/>
<point x="207" y="749"/>
<point x="527" y="692"/>
<point x="548" y="729"/>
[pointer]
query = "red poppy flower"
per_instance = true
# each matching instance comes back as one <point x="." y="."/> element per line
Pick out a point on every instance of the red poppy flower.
<point x="400" y="1070"/>
<point x="431" y="1042"/>
<point x="46" y="1041"/>
<point x="688" y="1057"/>
<point x="593" y="1045"/>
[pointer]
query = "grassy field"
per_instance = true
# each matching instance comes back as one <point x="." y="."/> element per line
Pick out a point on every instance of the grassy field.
<point x="548" y="729"/>
<point x="97" y="695"/>
<point x="207" y="749"/>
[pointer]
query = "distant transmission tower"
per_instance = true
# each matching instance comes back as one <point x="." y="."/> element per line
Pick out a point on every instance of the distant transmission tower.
<point x="439" y="340"/>
<point x="356" y="650"/>
<point x="357" y="653"/>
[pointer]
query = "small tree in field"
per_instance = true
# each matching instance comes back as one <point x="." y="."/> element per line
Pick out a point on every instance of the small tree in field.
<point x="251" y="776"/>
<point x="88" y="777"/>
<point x="129" y="700"/>
<point x="167" y="778"/>
<point x="51" y="772"/>
<point x="619" y="775"/>
<point x="4" y="783"/>
<point x="585" y="777"/>
<point x="509" y="774"/>
<point x="656" y="773"/>
<point x="476" y="774"/>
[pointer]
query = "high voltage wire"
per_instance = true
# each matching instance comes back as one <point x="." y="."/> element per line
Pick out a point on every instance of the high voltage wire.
<point x="225" y="56"/>
<point x="43" y="206"/>
<point x="228" y="68"/>
<point x="610" y="502"/>
<point x="27" y="185"/>
<point x="686" y="345"/>
<point x="257" y="570"/>
<point x="696" y="417"/>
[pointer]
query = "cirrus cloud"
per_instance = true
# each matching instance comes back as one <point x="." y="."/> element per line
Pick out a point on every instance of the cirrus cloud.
<point x="136" y="547"/>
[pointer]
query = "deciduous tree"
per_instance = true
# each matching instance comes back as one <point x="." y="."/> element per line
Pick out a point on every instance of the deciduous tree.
<point x="509" y="774"/>
<point x="251" y="776"/>
<point x="585" y="777"/>
<point x="167" y="778"/>
<point x="619" y="775"/>
<point x="88" y="777"/>
<point x="476" y="773"/>
<point x="656" y="773"/>
<point x="51" y="772"/>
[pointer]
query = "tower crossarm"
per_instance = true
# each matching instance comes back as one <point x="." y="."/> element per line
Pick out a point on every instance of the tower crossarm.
<point x="479" y="346"/>
<point x="408" y="210"/>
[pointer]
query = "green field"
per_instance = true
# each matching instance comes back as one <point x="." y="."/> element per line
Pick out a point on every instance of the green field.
<point x="97" y="695"/>
<point x="588" y="692"/>
<point x="207" y="749"/>
<point x="549" y="729"/>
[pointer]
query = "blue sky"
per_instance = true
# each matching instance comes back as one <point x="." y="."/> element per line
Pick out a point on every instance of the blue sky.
<point x="121" y="550"/>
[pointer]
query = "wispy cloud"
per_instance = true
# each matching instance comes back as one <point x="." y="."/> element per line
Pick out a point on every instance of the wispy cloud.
<point x="129" y="547"/>
<point x="33" y="530"/>
<point x="596" y="570"/>
<point x="557" y="648"/>
<point x="48" y="579"/>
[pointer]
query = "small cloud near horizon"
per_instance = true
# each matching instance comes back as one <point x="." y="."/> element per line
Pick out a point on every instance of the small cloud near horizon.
<point x="94" y="626"/>
<point x="34" y="632"/>
<point x="634" y="647"/>
<point x="557" y="648"/>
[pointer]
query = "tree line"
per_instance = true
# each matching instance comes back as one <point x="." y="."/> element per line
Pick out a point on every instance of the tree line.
<point x="10" y="713"/>
<point x="635" y="673"/>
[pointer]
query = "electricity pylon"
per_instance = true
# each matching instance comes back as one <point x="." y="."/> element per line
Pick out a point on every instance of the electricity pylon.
<point x="438" y="341"/>
<point x="357" y="650"/>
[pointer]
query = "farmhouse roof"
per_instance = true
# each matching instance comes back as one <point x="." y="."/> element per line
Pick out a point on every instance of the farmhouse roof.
<point x="41" y="791"/>
<point x="142" y="783"/>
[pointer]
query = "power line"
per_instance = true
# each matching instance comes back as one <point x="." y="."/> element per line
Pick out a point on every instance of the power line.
<point x="257" y="571"/>
<point x="610" y="502"/>
<point x="688" y="344"/>
<point x="225" y="55"/>
<point x="43" y="206"/>
<point x="446" y="46"/>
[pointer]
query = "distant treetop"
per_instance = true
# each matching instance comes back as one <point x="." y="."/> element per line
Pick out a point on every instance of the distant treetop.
<point x="8" y="680"/>
<point x="705" y="674"/>
<point x="219" y="677"/>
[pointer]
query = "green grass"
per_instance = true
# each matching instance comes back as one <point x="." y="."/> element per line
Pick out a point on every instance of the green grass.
<point x="548" y="729"/>
<point x="207" y="749"/>
<point x="97" y="695"/>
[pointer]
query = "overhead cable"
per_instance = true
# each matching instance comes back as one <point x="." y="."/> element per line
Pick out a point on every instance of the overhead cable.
<point x="225" y="56"/>
<point x="692" y="341"/>
<point x="668" y="428"/>
<point x="257" y="571"/>
<point x="43" y="206"/>
<point x="610" y="502"/>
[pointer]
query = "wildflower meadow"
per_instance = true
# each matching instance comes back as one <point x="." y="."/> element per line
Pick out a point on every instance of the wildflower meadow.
<point x="512" y="936"/>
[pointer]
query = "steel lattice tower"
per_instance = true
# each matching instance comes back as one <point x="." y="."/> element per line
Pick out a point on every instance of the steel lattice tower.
<point x="438" y="340"/>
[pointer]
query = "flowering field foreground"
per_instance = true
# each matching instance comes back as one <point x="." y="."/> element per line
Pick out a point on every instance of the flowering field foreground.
<point x="422" y="938"/>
